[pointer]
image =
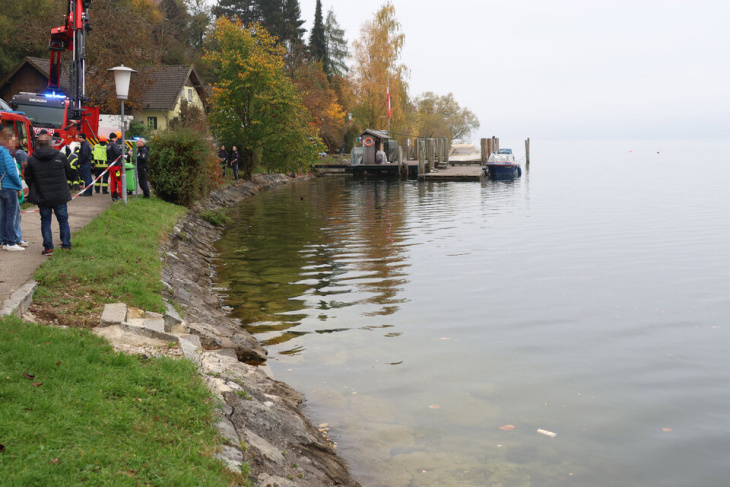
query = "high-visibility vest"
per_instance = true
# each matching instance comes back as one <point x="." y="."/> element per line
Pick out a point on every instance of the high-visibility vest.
<point x="99" y="155"/>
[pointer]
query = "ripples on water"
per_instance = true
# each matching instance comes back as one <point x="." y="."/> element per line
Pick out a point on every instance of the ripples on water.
<point x="587" y="298"/>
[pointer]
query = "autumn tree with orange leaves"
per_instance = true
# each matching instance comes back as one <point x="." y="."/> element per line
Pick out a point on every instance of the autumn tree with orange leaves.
<point x="321" y="101"/>
<point x="254" y="105"/>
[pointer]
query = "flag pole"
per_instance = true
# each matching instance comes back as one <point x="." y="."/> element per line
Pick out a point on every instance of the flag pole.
<point x="388" y="97"/>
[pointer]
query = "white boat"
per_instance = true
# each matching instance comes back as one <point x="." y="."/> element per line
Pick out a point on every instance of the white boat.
<point x="502" y="165"/>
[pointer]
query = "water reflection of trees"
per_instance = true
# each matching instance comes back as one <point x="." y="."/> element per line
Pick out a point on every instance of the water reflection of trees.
<point x="298" y="255"/>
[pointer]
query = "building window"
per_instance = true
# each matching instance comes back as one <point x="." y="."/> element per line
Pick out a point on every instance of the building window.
<point x="152" y="123"/>
<point x="190" y="95"/>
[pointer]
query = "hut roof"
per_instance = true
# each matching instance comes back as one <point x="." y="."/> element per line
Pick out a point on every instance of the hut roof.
<point x="380" y="134"/>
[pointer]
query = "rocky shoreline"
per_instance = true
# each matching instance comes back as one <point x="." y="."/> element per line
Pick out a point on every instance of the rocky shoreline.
<point x="261" y="418"/>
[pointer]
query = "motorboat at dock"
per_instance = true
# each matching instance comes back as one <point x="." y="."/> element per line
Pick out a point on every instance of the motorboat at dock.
<point x="502" y="165"/>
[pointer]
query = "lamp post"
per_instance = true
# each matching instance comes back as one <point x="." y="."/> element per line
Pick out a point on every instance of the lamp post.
<point x="122" y="76"/>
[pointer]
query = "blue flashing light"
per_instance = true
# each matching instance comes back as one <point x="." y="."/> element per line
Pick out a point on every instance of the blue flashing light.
<point x="53" y="95"/>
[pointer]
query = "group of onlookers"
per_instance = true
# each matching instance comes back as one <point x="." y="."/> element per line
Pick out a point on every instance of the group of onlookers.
<point x="46" y="175"/>
<point x="227" y="160"/>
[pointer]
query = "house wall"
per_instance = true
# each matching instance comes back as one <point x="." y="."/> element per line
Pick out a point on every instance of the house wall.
<point x="27" y="79"/>
<point x="164" y="117"/>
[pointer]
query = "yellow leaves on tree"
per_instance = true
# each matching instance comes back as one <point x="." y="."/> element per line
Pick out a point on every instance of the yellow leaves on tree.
<point x="254" y="105"/>
<point x="376" y="66"/>
<point x="321" y="101"/>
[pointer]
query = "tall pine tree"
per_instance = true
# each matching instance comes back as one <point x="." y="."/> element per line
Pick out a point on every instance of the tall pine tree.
<point x="317" y="40"/>
<point x="294" y="22"/>
<point x="337" y="51"/>
<point x="282" y="18"/>
<point x="248" y="11"/>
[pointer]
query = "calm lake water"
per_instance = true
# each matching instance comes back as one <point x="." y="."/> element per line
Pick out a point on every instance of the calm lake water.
<point x="589" y="298"/>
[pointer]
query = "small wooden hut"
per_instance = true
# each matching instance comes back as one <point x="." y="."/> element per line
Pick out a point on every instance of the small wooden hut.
<point x="371" y="142"/>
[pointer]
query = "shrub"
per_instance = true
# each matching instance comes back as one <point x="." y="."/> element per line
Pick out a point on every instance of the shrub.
<point x="217" y="218"/>
<point x="183" y="167"/>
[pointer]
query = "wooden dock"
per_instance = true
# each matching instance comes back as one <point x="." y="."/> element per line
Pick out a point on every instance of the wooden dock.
<point x="455" y="173"/>
<point x="406" y="170"/>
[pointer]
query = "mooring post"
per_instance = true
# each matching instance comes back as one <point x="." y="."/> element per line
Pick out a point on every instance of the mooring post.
<point x="484" y="144"/>
<point x="527" y="151"/>
<point x="400" y="162"/>
<point x="447" y="150"/>
<point x="421" y="159"/>
<point x="431" y="155"/>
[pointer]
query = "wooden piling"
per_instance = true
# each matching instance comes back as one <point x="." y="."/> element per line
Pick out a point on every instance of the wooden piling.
<point x="421" y="158"/>
<point x="431" y="155"/>
<point x="447" y="149"/>
<point x="527" y="151"/>
<point x="484" y="144"/>
<point x="401" y="166"/>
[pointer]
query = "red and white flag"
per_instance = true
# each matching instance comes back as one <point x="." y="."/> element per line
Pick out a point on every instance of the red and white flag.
<point x="387" y="96"/>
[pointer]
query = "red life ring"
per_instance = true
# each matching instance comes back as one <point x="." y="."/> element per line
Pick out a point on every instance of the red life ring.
<point x="368" y="141"/>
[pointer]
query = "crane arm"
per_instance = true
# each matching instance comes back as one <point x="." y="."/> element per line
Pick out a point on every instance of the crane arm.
<point x="71" y="37"/>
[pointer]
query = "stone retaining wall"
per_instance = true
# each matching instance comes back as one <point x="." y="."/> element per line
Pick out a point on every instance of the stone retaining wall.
<point x="261" y="418"/>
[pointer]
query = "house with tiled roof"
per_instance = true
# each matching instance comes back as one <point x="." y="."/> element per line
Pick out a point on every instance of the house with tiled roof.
<point x="170" y="85"/>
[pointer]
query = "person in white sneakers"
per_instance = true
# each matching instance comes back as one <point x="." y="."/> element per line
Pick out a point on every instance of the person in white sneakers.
<point x="10" y="188"/>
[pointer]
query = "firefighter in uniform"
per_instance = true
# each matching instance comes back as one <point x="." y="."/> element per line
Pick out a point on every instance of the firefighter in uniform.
<point x="73" y="161"/>
<point x="100" y="165"/>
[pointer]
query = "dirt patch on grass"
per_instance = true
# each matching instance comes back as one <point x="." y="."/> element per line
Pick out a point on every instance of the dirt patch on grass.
<point x="51" y="312"/>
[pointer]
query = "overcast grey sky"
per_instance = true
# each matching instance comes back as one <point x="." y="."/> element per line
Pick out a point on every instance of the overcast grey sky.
<point x="567" y="68"/>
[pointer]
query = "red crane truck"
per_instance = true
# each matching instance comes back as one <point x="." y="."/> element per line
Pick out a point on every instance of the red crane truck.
<point x="62" y="116"/>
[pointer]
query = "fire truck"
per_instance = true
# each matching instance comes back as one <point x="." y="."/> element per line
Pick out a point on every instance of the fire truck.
<point x="18" y="124"/>
<point x="62" y="115"/>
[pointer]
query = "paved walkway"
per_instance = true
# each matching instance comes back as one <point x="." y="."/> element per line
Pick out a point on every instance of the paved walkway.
<point x="17" y="268"/>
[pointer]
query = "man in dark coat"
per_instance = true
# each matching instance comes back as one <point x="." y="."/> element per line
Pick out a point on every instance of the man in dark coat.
<point x="222" y="158"/>
<point x="84" y="164"/>
<point x="46" y="176"/>
<point x="234" y="162"/>
<point x="143" y="156"/>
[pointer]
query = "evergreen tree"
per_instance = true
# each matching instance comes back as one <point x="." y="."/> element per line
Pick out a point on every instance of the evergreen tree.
<point x="317" y="41"/>
<point x="282" y="19"/>
<point x="248" y="11"/>
<point x="293" y="19"/>
<point x="337" y="51"/>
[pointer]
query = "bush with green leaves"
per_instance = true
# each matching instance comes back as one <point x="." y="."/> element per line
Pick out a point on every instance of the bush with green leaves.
<point x="183" y="167"/>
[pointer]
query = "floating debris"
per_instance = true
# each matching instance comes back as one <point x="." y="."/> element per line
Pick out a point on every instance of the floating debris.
<point x="507" y="427"/>
<point x="547" y="433"/>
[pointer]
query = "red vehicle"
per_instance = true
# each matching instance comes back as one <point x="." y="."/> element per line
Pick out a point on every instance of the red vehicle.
<point x="54" y="113"/>
<point x="18" y="124"/>
<point x="63" y="116"/>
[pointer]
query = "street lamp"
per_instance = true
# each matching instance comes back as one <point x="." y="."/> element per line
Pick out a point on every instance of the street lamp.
<point x="122" y="76"/>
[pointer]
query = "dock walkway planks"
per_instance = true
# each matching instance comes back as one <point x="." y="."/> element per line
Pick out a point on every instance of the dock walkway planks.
<point x="456" y="173"/>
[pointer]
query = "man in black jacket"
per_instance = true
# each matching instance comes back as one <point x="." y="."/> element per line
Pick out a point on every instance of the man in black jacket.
<point x="143" y="156"/>
<point x="223" y="158"/>
<point x="84" y="164"/>
<point x="46" y="176"/>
